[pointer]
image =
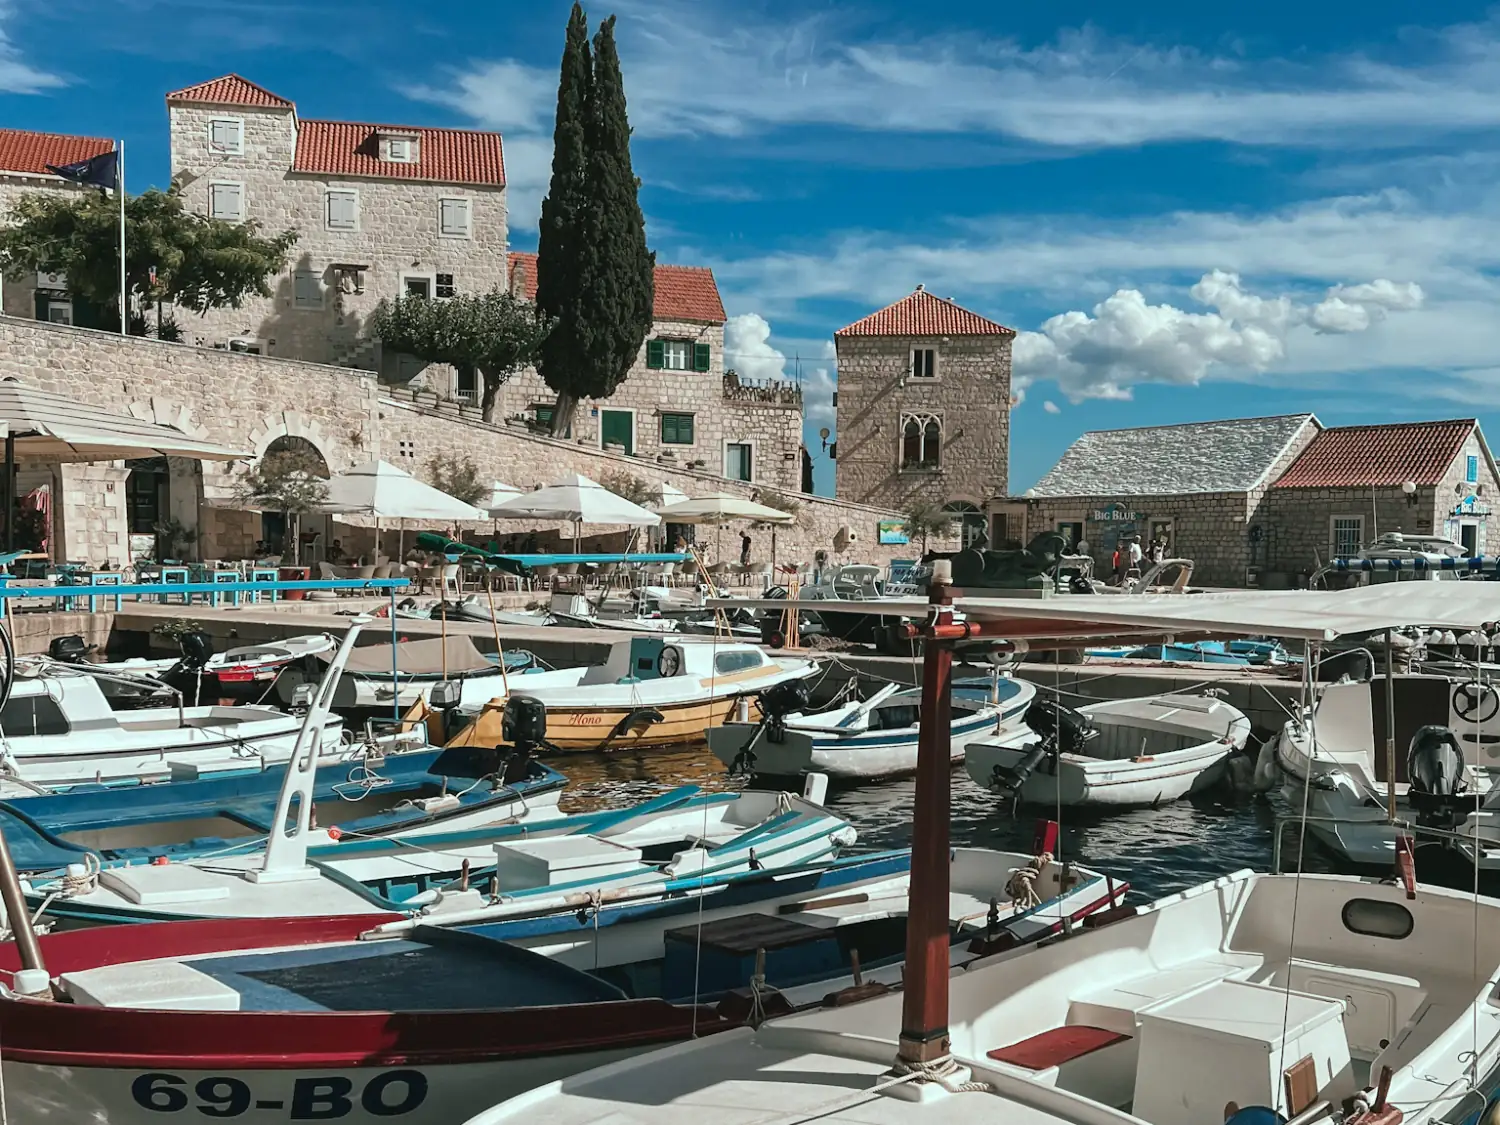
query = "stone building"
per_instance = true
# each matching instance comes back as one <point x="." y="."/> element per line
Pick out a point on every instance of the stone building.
<point x="1198" y="485"/>
<point x="24" y="157"/>
<point x="381" y="211"/>
<point x="924" y="407"/>
<point x="1354" y="483"/>
<point x="678" y="405"/>
<point x="1264" y="501"/>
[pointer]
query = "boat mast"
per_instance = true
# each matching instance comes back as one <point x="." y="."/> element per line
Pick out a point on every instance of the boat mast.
<point x="924" y="1044"/>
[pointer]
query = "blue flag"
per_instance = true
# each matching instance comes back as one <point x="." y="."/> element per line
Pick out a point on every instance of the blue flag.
<point x="97" y="171"/>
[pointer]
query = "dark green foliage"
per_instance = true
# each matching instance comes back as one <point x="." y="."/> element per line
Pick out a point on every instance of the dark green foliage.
<point x="495" y="334"/>
<point x="595" y="272"/>
<point x="200" y="263"/>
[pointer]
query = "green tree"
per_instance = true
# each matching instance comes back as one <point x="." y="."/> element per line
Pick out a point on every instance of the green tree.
<point x="594" y="270"/>
<point x="627" y="485"/>
<point x="459" y="478"/>
<point x="290" y="482"/>
<point x="496" y="334"/>
<point x="200" y="263"/>
<point x="923" y="518"/>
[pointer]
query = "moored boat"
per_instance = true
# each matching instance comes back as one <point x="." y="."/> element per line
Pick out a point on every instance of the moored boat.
<point x="1126" y="752"/>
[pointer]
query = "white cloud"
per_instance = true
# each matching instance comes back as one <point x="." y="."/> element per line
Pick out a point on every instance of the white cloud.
<point x="748" y="351"/>
<point x="1051" y="407"/>
<point x="16" y="76"/>
<point x="753" y="75"/>
<point x="817" y="403"/>
<point x="1128" y="340"/>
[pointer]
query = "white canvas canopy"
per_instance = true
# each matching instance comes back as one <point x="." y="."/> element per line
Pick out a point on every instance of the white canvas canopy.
<point x="500" y="493"/>
<point x="52" y="427"/>
<point x="721" y="507"/>
<point x="664" y="494"/>
<point x="578" y="499"/>
<point x="379" y="489"/>
<point x="1316" y="615"/>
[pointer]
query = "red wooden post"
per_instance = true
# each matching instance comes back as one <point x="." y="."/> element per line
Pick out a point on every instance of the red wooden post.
<point x="924" y="1015"/>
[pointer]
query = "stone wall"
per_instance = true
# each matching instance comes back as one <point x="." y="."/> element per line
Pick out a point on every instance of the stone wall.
<point x="970" y="396"/>
<point x="767" y="419"/>
<point x="398" y="236"/>
<point x="1209" y="528"/>
<point x="249" y="401"/>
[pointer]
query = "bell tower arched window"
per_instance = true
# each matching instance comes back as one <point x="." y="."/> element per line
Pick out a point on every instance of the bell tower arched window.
<point x="921" y="442"/>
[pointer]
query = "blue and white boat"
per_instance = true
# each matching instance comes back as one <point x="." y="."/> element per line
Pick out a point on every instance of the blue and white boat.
<point x="1231" y="653"/>
<point x="869" y="740"/>
<point x="408" y="794"/>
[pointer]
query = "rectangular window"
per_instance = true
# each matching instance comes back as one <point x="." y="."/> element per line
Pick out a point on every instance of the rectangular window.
<point x="923" y="363"/>
<point x="467" y="389"/>
<point x="307" y="290"/>
<point x="921" y="442"/>
<point x="416" y="287"/>
<point x="701" y="357"/>
<point x="226" y="135"/>
<point x="226" y="201"/>
<point x="544" y="413"/>
<point x="445" y="287"/>
<point x="737" y="461"/>
<point x="343" y="210"/>
<point x="676" y="355"/>
<point x="400" y="150"/>
<point x="453" y="218"/>
<point x="1346" y="536"/>
<point x="1471" y="470"/>
<point x="60" y="312"/>
<point x="677" y="429"/>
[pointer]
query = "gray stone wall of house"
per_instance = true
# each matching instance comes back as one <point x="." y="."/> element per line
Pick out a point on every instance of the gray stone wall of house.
<point x="970" y="397"/>
<point x="397" y="235"/>
<point x="250" y="401"/>
<point x="1209" y="528"/>
<point x="1299" y="522"/>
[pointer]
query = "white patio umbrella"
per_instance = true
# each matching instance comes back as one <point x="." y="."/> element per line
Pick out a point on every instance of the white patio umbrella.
<point x="661" y="495"/>
<point x="500" y="493"/>
<point x="52" y="427"/>
<point x="579" y="499"/>
<point x="720" y="507"/>
<point x="381" y="490"/>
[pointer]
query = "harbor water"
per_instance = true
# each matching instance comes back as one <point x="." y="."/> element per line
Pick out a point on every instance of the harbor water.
<point x="1158" y="851"/>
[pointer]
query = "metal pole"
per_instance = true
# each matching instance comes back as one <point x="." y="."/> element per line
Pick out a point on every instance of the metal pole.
<point x="10" y="491"/>
<point x="924" y="1012"/>
<point x="120" y="194"/>
<point x="395" y="669"/>
<point x="17" y="912"/>
<point x="1390" y="730"/>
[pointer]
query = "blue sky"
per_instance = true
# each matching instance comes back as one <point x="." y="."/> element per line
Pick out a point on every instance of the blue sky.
<point x="1187" y="214"/>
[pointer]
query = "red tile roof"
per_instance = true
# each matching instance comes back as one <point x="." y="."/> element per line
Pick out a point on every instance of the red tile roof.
<point x="231" y="90"/>
<point x="449" y="156"/>
<point x="922" y="314"/>
<point x="1383" y="455"/>
<point x="21" y="151"/>
<point x="682" y="292"/>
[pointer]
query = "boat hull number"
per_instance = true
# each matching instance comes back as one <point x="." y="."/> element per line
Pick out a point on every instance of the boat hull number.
<point x="390" y="1093"/>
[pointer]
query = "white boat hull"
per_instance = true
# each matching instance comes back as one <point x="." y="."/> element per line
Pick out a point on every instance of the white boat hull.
<point x="1088" y="781"/>
<point x="426" y="1094"/>
<point x="858" y="757"/>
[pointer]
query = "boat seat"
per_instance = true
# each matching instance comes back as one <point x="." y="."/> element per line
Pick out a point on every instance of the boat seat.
<point x="1097" y="1062"/>
<point x="1119" y="1008"/>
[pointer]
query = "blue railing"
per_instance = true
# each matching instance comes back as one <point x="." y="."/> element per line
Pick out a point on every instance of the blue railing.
<point x="67" y="594"/>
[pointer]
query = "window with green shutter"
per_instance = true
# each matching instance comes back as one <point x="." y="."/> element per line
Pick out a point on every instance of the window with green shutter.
<point x="655" y="352"/>
<point x="700" y="357"/>
<point x="677" y="429"/>
<point x="543" y="414"/>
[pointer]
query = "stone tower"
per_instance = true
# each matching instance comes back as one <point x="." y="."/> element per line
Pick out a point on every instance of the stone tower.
<point x="924" y="407"/>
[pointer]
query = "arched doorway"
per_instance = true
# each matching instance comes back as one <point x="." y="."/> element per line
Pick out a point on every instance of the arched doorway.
<point x="287" y="456"/>
<point x="971" y="521"/>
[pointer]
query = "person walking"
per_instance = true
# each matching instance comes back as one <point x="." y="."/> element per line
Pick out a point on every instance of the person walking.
<point x="744" y="548"/>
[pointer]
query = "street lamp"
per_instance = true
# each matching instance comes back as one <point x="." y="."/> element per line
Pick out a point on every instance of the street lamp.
<point x="1410" y="488"/>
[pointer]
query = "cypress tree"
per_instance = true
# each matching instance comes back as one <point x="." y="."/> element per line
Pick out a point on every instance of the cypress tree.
<point x="563" y="235"/>
<point x="600" y="287"/>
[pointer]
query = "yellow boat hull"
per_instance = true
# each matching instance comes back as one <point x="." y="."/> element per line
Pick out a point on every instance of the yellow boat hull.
<point x="589" y="729"/>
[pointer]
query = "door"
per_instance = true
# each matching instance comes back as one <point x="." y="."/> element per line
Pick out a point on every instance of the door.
<point x="1468" y="535"/>
<point x="737" y="464"/>
<point x="617" y="427"/>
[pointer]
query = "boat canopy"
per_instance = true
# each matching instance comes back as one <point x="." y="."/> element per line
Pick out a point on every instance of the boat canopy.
<point x="418" y="657"/>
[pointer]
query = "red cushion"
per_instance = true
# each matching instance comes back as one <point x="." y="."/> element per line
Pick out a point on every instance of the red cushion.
<point x="1055" y="1047"/>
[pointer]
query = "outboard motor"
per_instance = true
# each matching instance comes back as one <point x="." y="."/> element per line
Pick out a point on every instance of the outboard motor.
<point x="1435" y="769"/>
<point x="68" y="650"/>
<point x="186" y="676"/>
<point x="197" y="648"/>
<point x="524" y="725"/>
<point x="777" y="702"/>
<point x="1060" y="730"/>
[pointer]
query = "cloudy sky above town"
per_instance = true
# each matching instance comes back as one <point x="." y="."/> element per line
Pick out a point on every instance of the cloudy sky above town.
<point x="1186" y="211"/>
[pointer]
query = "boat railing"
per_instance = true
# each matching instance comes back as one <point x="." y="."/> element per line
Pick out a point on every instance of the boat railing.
<point x="1416" y="831"/>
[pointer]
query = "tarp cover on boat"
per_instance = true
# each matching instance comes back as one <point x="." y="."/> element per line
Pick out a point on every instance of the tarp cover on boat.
<point x="424" y="657"/>
<point x="1319" y="615"/>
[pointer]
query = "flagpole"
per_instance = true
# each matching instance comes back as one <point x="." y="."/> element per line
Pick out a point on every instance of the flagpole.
<point x="120" y="193"/>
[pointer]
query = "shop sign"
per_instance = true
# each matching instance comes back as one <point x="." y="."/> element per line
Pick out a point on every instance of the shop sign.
<point x="1470" y="506"/>
<point x="1115" y="513"/>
